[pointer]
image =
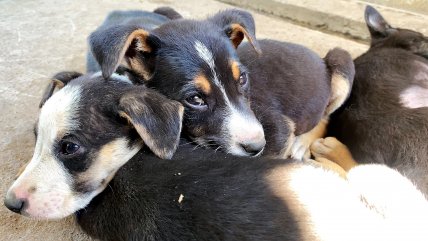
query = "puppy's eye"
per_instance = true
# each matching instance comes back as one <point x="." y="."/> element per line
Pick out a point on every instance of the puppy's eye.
<point x="68" y="148"/>
<point x="196" y="101"/>
<point x="243" y="79"/>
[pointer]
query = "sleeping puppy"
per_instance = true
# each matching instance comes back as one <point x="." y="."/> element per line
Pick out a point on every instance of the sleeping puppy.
<point x="385" y="119"/>
<point x="196" y="63"/>
<point x="91" y="127"/>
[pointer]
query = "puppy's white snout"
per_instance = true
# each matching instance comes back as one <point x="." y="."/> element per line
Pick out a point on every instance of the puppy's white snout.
<point x="250" y="138"/>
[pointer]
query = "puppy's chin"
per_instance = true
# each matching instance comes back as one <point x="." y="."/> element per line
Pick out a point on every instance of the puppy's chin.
<point x="56" y="207"/>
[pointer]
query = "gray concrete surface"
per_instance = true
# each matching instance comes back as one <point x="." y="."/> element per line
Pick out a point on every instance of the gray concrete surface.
<point x="419" y="6"/>
<point x="40" y="38"/>
<point x="343" y="17"/>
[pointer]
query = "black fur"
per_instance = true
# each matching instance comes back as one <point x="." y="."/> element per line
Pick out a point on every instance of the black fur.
<point x="373" y="123"/>
<point x="168" y="12"/>
<point x="172" y="63"/>
<point x="290" y="80"/>
<point x="224" y="198"/>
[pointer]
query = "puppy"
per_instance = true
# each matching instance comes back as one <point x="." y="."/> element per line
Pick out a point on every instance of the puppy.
<point x="195" y="63"/>
<point x="385" y="119"/>
<point x="294" y="91"/>
<point x="78" y="149"/>
<point x="91" y="127"/>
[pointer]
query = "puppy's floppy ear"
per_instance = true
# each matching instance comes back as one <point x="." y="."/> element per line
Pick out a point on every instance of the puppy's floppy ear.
<point x="237" y="24"/>
<point x="157" y="119"/>
<point x="377" y="25"/>
<point x="110" y="45"/>
<point x="58" y="81"/>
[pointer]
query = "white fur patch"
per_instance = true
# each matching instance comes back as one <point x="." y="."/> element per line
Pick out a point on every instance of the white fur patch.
<point x="403" y="207"/>
<point x="45" y="182"/>
<point x="335" y="212"/>
<point x="414" y="97"/>
<point x="374" y="203"/>
<point x="205" y="54"/>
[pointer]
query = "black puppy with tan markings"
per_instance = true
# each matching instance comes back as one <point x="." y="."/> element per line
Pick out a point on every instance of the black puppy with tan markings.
<point x="385" y="119"/>
<point x="197" y="64"/>
<point x="92" y="127"/>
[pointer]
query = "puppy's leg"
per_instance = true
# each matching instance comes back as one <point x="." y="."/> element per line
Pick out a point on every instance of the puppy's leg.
<point x="300" y="147"/>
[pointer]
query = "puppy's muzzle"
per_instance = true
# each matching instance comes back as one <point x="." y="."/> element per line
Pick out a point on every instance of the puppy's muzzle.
<point x="254" y="147"/>
<point x="13" y="203"/>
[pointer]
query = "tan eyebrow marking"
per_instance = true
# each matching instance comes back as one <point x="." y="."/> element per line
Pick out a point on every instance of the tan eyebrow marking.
<point x="203" y="83"/>
<point x="235" y="69"/>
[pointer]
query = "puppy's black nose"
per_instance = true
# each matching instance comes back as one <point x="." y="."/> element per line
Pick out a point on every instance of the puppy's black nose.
<point x="253" y="148"/>
<point x="14" y="204"/>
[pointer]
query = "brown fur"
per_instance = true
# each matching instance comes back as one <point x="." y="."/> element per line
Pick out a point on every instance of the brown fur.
<point x="202" y="83"/>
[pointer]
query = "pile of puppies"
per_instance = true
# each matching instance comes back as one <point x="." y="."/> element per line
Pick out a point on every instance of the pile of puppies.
<point x="160" y="87"/>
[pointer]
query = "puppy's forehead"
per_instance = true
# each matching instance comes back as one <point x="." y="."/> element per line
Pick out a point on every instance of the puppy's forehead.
<point x="57" y="114"/>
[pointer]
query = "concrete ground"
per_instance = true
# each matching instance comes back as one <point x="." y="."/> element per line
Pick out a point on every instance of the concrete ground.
<point x="343" y="17"/>
<point x="40" y="38"/>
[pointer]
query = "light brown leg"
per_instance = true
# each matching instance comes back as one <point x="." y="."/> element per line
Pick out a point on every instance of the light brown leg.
<point x="301" y="147"/>
<point x="332" y="149"/>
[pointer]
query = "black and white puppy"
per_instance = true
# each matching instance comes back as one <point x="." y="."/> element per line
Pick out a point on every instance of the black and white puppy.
<point x="179" y="60"/>
<point x="196" y="63"/>
<point x="385" y="119"/>
<point x="84" y="137"/>
<point x="91" y="127"/>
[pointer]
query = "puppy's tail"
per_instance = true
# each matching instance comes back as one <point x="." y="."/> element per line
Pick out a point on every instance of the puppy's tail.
<point x="168" y="12"/>
<point x="342" y="72"/>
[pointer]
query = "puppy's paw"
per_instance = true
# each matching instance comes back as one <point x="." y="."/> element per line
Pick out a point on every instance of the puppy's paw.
<point x="333" y="150"/>
<point x="300" y="150"/>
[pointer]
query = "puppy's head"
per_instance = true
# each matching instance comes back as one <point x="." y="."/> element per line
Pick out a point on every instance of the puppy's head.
<point x="194" y="62"/>
<point x="85" y="132"/>
<point x="384" y="35"/>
